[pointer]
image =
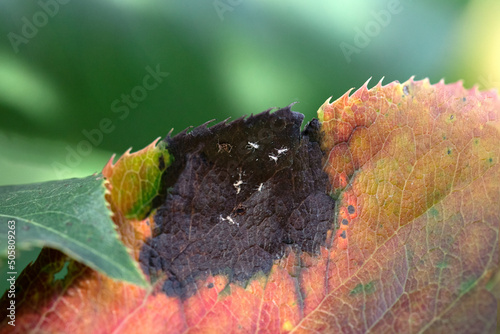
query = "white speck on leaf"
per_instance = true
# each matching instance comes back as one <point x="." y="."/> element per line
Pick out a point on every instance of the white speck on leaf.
<point x="282" y="150"/>
<point x="252" y="146"/>
<point x="274" y="158"/>
<point x="238" y="184"/>
<point x="228" y="218"/>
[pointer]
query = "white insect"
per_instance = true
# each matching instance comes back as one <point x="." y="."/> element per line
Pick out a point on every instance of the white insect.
<point x="252" y="146"/>
<point x="232" y="221"/>
<point x="237" y="184"/>
<point x="228" y="218"/>
<point x="261" y="186"/>
<point x="282" y="150"/>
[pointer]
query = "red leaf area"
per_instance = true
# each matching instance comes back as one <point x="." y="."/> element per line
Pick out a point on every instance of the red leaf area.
<point x="415" y="245"/>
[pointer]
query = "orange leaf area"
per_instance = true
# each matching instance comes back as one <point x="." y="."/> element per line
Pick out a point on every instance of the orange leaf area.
<point x="414" y="247"/>
<point x="88" y="302"/>
<point x="416" y="168"/>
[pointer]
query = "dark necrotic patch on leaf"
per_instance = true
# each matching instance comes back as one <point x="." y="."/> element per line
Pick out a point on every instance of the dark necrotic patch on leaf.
<point x="241" y="195"/>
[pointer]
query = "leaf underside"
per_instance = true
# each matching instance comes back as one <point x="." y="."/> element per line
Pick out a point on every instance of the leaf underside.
<point x="71" y="216"/>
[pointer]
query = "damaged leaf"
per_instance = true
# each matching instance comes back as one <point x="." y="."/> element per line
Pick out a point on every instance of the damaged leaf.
<point x="236" y="211"/>
<point x="381" y="217"/>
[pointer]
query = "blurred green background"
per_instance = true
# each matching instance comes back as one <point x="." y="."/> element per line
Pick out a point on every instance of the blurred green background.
<point x="67" y="68"/>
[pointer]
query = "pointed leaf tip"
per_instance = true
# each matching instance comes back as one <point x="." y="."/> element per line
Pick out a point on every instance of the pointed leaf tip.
<point x="134" y="180"/>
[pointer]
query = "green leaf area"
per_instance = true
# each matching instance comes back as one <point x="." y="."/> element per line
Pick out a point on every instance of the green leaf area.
<point x="71" y="216"/>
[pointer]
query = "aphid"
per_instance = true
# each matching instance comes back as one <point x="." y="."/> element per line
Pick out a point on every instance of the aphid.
<point x="228" y="218"/>
<point x="261" y="186"/>
<point x="274" y="158"/>
<point x="282" y="150"/>
<point x="226" y="147"/>
<point x="238" y="183"/>
<point x="252" y="146"/>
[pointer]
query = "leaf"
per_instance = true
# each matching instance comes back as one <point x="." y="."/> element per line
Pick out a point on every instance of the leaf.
<point x="134" y="184"/>
<point x="134" y="181"/>
<point x="416" y="169"/>
<point x="410" y="246"/>
<point x="69" y="215"/>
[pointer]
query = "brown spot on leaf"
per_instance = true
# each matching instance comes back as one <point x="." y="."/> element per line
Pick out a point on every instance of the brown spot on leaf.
<point x="195" y="235"/>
